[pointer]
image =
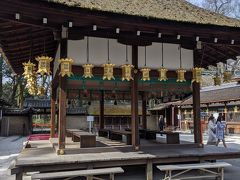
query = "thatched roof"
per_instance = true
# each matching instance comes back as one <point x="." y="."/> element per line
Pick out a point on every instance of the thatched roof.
<point x="174" y="10"/>
<point x="217" y="95"/>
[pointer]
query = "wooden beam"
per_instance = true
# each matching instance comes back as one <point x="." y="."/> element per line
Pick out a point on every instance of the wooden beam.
<point x="134" y="100"/>
<point x="19" y="47"/>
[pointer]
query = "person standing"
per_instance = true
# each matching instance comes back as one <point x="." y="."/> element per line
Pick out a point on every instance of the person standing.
<point x="211" y="131"/>
<point x="220" y="128"/>
<point x="161" y="123"/>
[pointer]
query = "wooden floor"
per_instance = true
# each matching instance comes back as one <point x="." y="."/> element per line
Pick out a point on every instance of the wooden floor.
<point x="42" y="156"/>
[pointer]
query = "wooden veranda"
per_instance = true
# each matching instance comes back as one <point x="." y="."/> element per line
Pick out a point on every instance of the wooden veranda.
<point x="59" y="29"/>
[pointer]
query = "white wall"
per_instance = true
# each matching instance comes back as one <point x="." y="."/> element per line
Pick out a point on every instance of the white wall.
<point x="98" y="54"/>
<point x="76" y="122"/>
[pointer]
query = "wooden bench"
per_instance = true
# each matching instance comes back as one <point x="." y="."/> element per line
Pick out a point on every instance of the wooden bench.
<point x="117" y="135"/>
<point x="89" y="173"/>
<point x="86" y="139"/>
<point x="184" y="168"/>
<point x="69" y="132"/>
<point x="104" y="133"/>
<point x="171" y="137"/>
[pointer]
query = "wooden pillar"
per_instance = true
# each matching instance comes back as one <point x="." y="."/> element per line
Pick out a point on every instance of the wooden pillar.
<point x="101" y="116"/>
<point x="53" y="112"/>
<point x="134" y="98"/>
<point x="144" y="111"/>
<point x="196" y="104"/>
<point x="62" y="100"/>
<point x="149" y="170"/>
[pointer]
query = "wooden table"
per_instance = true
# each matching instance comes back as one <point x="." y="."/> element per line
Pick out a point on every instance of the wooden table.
<point x="117" y="135"/>
<point x="171" y="137"/>
<point x="86" y="139"/>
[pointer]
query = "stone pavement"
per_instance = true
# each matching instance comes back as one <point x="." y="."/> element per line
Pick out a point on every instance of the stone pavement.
<point x="9" y="150"/>
<point x="11" y="146"/>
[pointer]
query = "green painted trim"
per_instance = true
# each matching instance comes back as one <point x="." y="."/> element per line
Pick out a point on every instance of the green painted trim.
<point x="153" y="80"/>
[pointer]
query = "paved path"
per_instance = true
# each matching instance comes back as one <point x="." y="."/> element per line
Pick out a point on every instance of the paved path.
<point x="11" y="146"/>
<point x="9" y="150"/>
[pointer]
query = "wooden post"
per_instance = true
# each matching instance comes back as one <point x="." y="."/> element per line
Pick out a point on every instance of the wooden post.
<point x="53" y="113"/>
<point x="101" y="116"/>
<point x="134" y="102"/>
<point x="62" y="100"/>
<point x="149" y="170"/>
<point x="144" y="111"/>
<point x="196" y="104"/>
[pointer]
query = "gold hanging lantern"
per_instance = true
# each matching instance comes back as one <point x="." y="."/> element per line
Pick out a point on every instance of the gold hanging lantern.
<point x="235" y="109"/>
<point x="162" y="74"/>
<point x="197" y="75"/>
<point x="66" y="66"/>
<point x="108" y="71"/>
<point x="181" y="75"/>
<point x="145" y="71"/>
<point x="41" y="91"/>
<point x="227" y="76"/>
<point x="207" y="110"/>
<point x="185" y="112"/>
<point x="217" y="80"/>
<point x="88" y="70"/>
<point x="32" y="84"/>
<point x="127" y="72"/>
<point x="145" y="74"/>
<point x="44" y="64"/>
<point x="225" y="110"/>
<point x="88" y="66"/>
<point x="28" y="69"/>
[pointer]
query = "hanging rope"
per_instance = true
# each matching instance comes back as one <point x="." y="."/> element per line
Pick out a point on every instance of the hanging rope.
<point x="127" y="53"/>
<point x="87" y="50"/>
<point x="145" y="56"/>
<point x="162" y="54"/>
<point x="108" y="51"/>
<point x="180" y="50"/>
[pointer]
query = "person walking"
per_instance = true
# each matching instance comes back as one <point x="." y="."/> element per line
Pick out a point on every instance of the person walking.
<point x="220" y="128"/>
<point x="211" y="131"/>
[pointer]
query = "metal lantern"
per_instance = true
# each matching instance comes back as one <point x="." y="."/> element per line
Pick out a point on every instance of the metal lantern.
<point x="108" y="71"/>
<point x="88" y="70"/>
<point x="197" y="75"/>
<point x="127" y="72"/>
<point x="32" y="84"/>
<point x="66" y="66"/>
<point x="41" y="91"/>
<point x="185" y="112"/>
<point x="225" y="110"/>
<point x="162" y="74"/>
<point x="145" y="74"/>
<point x="181" y="75"/>
<point x="235" y="109"/>
<point x="207" y="110"/>
<point x="227" y="76"/>
<point x="44" y="64"/>
<point x="28" y="69"/>
<point x="217" y="80"/>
